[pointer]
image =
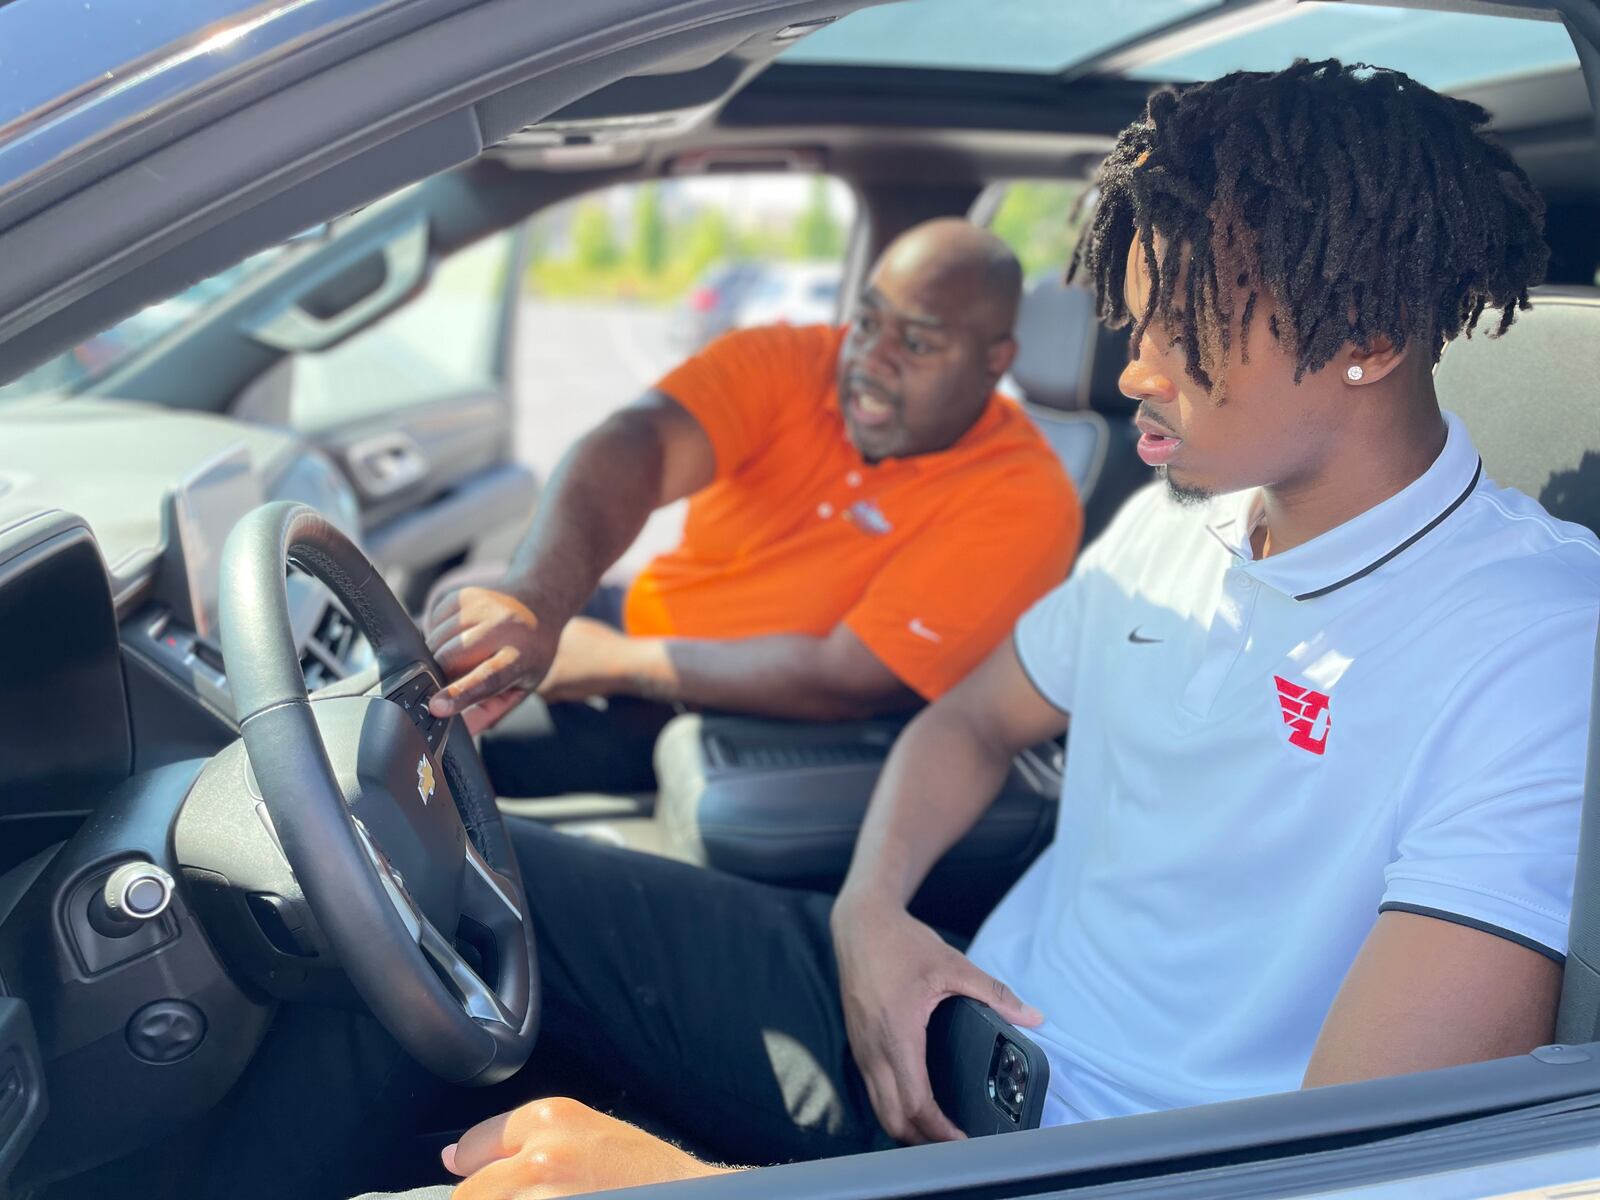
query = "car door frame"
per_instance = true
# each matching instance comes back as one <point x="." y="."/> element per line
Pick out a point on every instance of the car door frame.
<point x="312" y="146"/>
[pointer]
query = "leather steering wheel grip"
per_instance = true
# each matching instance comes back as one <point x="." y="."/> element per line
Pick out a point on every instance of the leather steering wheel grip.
<point x="257" y="638"/>
<point x="352" y="895"/>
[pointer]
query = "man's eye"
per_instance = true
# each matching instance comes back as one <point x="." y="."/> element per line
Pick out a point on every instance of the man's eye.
<point x="865" y="323"/>
<point x="917" y="346"/>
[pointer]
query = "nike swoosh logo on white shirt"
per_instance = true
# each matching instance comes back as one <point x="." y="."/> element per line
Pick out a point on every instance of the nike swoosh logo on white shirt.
<point x="922" y="631"/>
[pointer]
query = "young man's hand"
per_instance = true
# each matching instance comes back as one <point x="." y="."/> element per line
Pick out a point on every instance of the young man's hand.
<point x="493" y="648"/>
<point x="893" y="972"/>
<point x="554" y="1148"/>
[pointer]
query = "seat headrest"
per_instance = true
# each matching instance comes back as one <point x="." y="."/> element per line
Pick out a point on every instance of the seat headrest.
<point x="1057" y="334"/>
<point x="1531" y="401"/>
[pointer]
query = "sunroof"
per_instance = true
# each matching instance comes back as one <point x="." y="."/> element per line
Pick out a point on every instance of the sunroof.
<point x="1441" y="49"/>
<point x="988" y="35"/>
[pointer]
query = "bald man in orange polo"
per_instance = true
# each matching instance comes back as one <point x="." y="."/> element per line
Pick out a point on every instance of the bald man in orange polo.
<point x="867" y="519"/>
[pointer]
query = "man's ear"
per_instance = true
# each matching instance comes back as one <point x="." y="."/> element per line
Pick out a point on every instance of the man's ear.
<point x="1363" y="366"/>
<point x="1000" y="356"/>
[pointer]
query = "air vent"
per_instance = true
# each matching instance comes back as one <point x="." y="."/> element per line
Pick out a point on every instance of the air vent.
<point x="324" y="658"/>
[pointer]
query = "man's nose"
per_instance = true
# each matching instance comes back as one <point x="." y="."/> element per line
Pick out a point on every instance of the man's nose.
<point x="877" y="354"/>
<point x="1141" y="381"/>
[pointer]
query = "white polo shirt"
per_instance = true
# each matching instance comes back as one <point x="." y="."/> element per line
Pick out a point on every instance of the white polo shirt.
<point x="1266" y="754"/>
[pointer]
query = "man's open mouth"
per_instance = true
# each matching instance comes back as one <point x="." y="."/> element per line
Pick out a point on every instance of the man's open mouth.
<point x="868" y="409"/>
<point x="1156" y="449"/>
<point x="1156" y="444"/>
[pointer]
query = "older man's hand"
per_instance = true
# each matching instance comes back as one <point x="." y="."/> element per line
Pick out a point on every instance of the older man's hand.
<point x="494" y="650"/>
<point x="552" y="1148"/>
<point x="593" y="659"/>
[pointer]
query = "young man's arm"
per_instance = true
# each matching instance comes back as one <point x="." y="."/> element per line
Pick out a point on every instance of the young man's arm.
<point x="1490" y="845"/>
<point x="494" y="639"/>
<point x="1426" y="993"/>
<point x="943" y="774"/>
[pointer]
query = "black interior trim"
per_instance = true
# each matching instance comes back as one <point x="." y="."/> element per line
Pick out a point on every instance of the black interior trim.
<point x="925" y="98"/>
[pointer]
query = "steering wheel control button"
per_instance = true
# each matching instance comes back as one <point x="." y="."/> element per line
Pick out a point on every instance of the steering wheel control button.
<point x="167" y="1031"/>
<point x="412" y="698"/>
<point x="135" y="893"/>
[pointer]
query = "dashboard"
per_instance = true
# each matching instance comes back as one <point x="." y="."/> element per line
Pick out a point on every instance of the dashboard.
<point x="112" y="519"/>
<point x="114" y="696"/>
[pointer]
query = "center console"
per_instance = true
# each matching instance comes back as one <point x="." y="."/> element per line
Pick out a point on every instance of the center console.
<point x="783" y="802"/>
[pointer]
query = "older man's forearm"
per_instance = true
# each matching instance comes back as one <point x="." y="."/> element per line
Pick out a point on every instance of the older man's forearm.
<point x="784" y="675"/>
<point x="597" y="501"/>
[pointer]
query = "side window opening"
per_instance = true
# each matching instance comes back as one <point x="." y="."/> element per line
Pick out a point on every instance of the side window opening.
<point x="624" y="283"/>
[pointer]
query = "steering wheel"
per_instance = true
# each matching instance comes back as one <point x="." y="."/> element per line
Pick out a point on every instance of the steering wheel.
<point x="384" y="812"/>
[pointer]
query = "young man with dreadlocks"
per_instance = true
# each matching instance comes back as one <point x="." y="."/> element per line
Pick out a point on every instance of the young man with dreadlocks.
<point x="1328" y="688"/>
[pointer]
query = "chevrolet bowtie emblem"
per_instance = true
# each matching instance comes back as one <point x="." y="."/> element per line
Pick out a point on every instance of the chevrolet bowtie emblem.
<point x="424" y="779"/>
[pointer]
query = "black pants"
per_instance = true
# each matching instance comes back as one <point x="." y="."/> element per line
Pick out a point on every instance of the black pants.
<point x="704" y="1000"/>
<point x="703" y="1006"/>
<point x="544" y="749"/>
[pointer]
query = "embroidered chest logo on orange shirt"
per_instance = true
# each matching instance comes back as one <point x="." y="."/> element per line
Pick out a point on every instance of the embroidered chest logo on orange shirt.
<point x="866" y="516"/>
<point x="1306" y="714"/>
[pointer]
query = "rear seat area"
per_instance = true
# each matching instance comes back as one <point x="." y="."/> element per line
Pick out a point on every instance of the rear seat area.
<point x="1066" y="376"/>
<point x="1529" y="400"/>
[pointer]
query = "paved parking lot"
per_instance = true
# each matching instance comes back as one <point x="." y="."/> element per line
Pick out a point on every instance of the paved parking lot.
<point x="574" y="364"/>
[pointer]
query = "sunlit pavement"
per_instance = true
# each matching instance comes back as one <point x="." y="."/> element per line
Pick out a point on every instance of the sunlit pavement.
<point x="577" y="363"/>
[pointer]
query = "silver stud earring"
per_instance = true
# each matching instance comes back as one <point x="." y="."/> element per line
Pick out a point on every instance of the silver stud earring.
<point x="1354" y="374"/>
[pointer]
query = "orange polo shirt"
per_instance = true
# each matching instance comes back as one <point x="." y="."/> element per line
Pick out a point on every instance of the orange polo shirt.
<point x="929" y="559"/>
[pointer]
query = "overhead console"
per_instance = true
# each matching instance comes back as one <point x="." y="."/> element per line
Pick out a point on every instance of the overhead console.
<point x="618" y="122"/>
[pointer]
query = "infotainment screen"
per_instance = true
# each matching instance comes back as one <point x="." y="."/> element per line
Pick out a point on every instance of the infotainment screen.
<point x="64" y="734"/>
<point x="206" y="505"/>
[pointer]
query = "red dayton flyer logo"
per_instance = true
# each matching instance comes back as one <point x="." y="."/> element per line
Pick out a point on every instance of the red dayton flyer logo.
<point x="1305" y="713"/>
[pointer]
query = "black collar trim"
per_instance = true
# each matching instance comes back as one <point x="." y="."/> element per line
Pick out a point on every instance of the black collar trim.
<point x="1403" y="546"/>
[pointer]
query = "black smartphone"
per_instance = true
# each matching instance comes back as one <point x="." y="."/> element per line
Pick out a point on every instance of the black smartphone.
<point x="987" y="1076"/>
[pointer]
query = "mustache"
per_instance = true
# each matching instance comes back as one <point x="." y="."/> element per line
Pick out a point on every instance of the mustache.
<point x="858" y="382"/>
<point x="1145" y="414"/>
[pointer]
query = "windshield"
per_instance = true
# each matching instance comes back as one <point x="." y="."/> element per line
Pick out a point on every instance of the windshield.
<point x="102" y="354"/>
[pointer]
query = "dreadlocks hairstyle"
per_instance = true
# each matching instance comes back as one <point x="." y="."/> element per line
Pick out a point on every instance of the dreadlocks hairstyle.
<point x="1361" y="203"/>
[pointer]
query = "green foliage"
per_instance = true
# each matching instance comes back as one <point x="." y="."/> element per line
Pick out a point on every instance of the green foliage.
<point x="649" y="231"/>
<point x="594" y="243"/>
<point x="818" y="235"/>
<point x="708" y="239"/>
<point x="665" y="251"/>
<point x="1035" y="220"/>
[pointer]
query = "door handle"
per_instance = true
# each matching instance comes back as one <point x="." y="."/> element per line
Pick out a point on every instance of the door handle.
<point x="386" y="464"/>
